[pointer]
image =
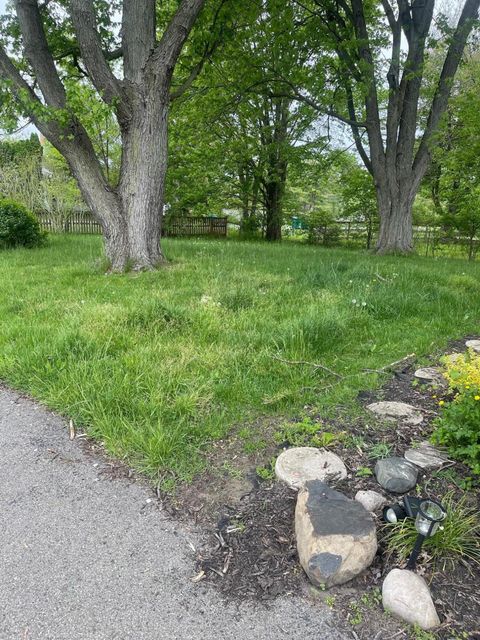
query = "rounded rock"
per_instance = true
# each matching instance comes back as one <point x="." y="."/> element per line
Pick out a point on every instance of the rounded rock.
<point x="336" y="537"/>
<point x="298" y="465"/>
<point x="371" y="500"/>
<point x="395" y="474"/>
<point x="406" y="595"/>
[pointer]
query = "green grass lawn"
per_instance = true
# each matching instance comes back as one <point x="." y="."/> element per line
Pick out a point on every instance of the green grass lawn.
<point x="157" y="364"/>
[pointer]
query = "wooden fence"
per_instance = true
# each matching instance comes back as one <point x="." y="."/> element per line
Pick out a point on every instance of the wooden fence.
<point x="76" y="222"/>
<point x="83" y="222"/>
<point x="195" y="226"/>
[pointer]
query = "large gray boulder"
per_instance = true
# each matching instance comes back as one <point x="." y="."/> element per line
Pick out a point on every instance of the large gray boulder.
<point x="406" y="595"/>
<point x="336" y="536"/>
<point x="396" y="475"/>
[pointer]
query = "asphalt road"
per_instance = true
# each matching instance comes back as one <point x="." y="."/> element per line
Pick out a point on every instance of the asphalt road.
<point x="86" y="557"/>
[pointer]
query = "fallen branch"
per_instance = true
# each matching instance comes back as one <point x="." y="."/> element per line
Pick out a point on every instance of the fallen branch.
<point x="315" y="365"/>
<point x="392" y="365"/>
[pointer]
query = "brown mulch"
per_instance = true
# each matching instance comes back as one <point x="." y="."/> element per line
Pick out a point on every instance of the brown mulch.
<point x="252" y="552"/>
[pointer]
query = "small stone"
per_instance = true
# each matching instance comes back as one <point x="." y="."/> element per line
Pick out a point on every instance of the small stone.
<point x="430" y="374"/>
<point x="370" y="500"/>
<point x="394" y="411"/>
<point x="473" y="344"/>
<point x="396" y="475"/>
<point x="451" y="358"/>
<point x="406" y="595"/>
<point x="426" y="456"/>
<point x="336" y="536"/>
<point x="297" y="465"/>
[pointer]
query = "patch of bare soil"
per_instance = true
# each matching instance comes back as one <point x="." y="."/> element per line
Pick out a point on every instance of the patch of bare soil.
<point x="252" y="552"/>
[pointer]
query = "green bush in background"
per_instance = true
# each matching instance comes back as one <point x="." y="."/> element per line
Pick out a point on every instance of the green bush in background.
<point x="18" y="226"/>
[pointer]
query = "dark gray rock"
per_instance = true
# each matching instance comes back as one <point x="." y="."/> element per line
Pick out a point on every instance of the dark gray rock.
<point x="396" y="475"/>
<point x="336" y="536"/>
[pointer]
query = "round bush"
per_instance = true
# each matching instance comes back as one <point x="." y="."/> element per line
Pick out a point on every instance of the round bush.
<point x="18" y="226"/>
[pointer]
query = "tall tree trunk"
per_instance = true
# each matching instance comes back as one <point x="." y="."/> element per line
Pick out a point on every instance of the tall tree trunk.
<point x="396" y="231"/>
<point x="273" y="210"/>
<point x="142" y="180"/>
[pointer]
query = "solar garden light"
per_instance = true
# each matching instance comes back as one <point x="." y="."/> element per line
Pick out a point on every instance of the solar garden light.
<point x="396" y="512"/>
<point x="430" y="514"/>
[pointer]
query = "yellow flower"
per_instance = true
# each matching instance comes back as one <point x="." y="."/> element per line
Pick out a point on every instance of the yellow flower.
<point x="441" y="403"/>
<point x="477" y="397"/>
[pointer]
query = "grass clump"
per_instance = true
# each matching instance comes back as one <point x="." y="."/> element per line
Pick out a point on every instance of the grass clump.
<point x="159" y="364"/>
<point x="458" y="538"/>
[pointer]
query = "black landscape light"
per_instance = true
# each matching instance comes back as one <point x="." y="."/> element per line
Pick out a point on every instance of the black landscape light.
<point x="396" y="512"/>
<point x="430" y="514"/>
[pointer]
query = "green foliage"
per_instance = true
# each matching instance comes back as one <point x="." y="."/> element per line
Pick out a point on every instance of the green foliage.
<point x="18" y="226"/>
<point x="379" y="450"/>
<point x="458" y="430"/>
<point x="455" y="177"/>
<point x="359" y="200"/>
<point x="267" y="472"/>
<point x="17" y="151"/>
<point x="297" y="434"/>
<point x="458" y="538"/>
<point x="364" y="472"/>
<point x="457" y="426"/>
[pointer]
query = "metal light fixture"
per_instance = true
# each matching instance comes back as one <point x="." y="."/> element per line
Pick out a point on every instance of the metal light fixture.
<point x="427" y="521"/>
<point x="396" y="512"/>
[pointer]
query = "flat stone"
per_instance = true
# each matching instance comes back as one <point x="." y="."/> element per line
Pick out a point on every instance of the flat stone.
<point x="430" y="374"/>
<point x="395" y="474"/>
<point x="396" y="411"/>
<point x="336" y="536"/>
<point x="426" y="456"/>
<point x="370" y="500"/>
<point x="473" y="344"/>
<point x="406" y="595"/>
<point x="451" y="358"/>
<point x="297" y="465"/>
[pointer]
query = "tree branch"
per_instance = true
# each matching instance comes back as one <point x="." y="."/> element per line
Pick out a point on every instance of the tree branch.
<point x="85" y="25"/>
<point x="38" y="53"/>
<point x="170" y="46"/>
<point x="208" y="52"/>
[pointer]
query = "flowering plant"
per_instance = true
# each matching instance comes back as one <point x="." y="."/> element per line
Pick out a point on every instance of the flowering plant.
<point x="458" y="427"/>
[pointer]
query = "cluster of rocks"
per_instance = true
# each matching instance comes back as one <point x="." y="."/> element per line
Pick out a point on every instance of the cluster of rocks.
<point x="336" y="536"/>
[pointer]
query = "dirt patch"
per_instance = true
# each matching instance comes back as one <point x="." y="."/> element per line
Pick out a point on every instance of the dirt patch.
<point x="252" y="552"/>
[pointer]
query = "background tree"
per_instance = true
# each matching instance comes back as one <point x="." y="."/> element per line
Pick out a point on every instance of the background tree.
<point x="455" y="181"/>
<point x="380" y="102"/>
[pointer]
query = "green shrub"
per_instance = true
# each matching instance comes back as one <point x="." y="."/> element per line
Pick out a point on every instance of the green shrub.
<point x="18" y="226"/>
<point x="457" y="428"/>
<point x="458" y="538"/>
